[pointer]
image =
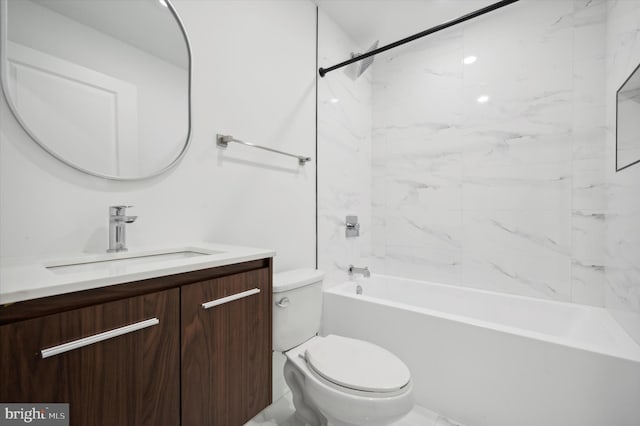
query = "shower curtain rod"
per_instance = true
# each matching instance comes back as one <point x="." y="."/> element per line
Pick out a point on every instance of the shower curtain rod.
<point x="479" y="12"/>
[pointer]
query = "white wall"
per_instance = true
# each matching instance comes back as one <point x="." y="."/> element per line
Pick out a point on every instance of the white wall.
<point x="253" y="77"/>
<point x="508" y="195"/>
<point x="623" y="188"/>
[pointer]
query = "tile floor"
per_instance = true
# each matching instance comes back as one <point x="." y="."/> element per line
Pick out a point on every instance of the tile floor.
<point x="280" y="413"/>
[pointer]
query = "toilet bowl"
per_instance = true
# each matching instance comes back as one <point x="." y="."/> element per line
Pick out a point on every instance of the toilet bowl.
<point x="348" y="382"/>
<point x="334" y="380"/>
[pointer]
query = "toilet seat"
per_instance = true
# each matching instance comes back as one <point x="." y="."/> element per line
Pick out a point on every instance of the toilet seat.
<point x="357" y="365"/>
<point x="341" y="405"/>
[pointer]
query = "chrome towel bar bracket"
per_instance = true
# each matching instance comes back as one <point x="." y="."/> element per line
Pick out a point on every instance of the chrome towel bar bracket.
<point x="223" y="142"/>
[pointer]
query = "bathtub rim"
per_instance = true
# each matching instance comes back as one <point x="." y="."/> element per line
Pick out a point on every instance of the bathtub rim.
<point x="630" y="353"/>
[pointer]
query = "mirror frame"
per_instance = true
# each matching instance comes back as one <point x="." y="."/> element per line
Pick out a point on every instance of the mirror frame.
<point x="3" y="69"/>
<point x="636" y="69"/>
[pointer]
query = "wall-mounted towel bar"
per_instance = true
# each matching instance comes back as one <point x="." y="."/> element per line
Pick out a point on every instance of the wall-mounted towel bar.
<point x="223" y="141"/>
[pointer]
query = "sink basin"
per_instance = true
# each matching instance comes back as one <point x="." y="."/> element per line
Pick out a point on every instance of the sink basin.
<point x="115" y="262"/>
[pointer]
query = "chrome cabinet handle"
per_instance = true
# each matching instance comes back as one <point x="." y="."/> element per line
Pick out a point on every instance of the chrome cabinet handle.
<point x="283" y="303"/>
<point x="231" y="298"/>
<point x="85" y="341"/>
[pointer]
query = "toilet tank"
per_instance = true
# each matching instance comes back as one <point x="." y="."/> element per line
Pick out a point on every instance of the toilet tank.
<point x="297" y="310"/>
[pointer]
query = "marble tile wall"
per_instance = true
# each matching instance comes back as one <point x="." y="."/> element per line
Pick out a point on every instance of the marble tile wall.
<point x="344" y="154"/>
<point x="506" y="195"/>
<point x="622" y="290"/>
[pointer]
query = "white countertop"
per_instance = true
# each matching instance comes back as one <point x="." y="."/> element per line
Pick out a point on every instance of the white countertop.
<point x="24" y="279"/>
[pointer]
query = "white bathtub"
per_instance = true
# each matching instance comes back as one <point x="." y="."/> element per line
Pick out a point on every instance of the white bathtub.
<point x="491" y="359"/>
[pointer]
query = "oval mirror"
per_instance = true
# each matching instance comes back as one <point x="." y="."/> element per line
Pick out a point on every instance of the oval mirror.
<point x="102" y="85"/>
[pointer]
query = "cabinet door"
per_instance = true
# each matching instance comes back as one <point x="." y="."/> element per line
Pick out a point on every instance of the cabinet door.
<point x="131" y="379"/>
<point x="226" y="349"/>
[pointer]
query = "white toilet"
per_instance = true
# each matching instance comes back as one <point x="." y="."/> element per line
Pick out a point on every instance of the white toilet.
<point x="335" y="381"/>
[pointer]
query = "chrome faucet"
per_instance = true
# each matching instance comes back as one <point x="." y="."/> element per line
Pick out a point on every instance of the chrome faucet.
<point x="355" y="270"/>
<point x="117" y="230"/>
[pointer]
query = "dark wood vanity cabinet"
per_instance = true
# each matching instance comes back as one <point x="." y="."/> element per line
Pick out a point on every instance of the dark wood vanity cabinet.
<point x="131" y="379"/>
<point x="226" y="349"/>
<point x="188" y="365"/>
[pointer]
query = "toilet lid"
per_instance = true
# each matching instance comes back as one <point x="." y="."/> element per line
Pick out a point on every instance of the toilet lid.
<point x="356" y="364"/>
